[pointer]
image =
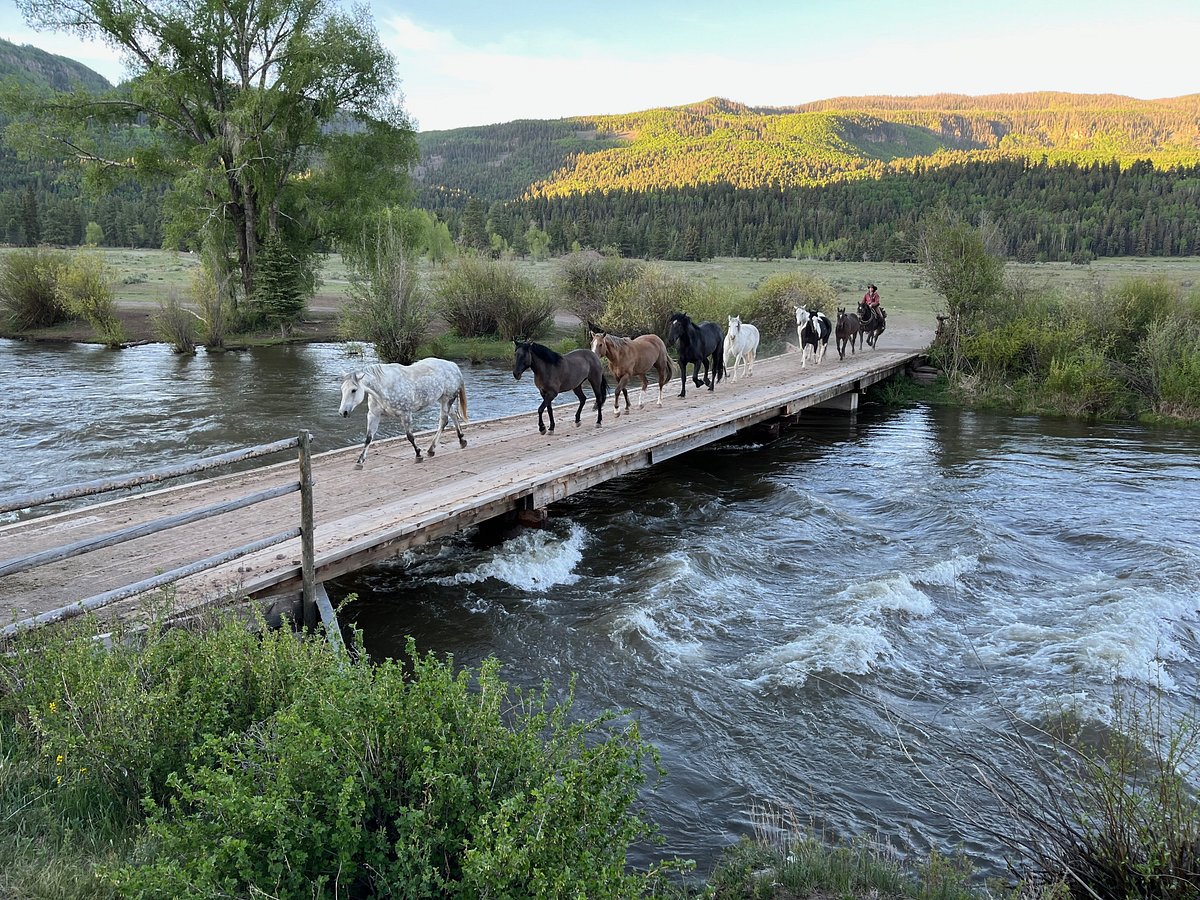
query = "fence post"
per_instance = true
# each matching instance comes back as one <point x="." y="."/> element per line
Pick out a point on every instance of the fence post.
<point x="308" y="570"/>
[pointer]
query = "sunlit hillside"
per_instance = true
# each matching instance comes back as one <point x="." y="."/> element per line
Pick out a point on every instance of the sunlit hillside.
<point x="718" y="141"/>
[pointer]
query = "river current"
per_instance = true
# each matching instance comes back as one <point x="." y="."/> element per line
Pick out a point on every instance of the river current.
<point x="805" y="624"/>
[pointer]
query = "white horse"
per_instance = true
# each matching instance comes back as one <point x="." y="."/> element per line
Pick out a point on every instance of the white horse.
<point x="741" y="344"/>
<point x="812" y="330"/>
<point x="403" y="391"/>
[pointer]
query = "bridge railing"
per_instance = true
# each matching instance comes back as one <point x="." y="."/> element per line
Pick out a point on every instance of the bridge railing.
<point x="301" y="443"/>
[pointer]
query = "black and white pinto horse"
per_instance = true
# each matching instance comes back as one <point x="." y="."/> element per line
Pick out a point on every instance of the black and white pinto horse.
<point x="874" y="321"/>
<point x="812" y="330"/>
<point x="554" y="373"/>
<point x="698" y="345"/>
<point x="403" y="391"/>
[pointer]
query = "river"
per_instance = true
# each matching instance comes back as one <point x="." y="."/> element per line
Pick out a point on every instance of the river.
<point x="803" y="625"/>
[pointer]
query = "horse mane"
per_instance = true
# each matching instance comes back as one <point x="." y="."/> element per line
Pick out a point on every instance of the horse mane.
<point x="544" y="353"/>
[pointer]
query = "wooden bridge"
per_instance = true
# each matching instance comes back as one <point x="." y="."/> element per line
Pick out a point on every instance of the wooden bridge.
<point x="361" y="517"/>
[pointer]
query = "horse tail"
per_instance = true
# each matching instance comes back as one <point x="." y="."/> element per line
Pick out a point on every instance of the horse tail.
<point x="602" y="394"/>
<point x="718" y="366"/>
<point x="462" y="402"/>
<point x="664" y="364"/>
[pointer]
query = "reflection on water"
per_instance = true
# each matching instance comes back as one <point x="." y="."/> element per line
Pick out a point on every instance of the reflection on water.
<point x="777" y="616"/>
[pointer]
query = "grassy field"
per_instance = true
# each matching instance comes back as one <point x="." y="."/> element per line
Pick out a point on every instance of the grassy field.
<point x="144" y="278"/>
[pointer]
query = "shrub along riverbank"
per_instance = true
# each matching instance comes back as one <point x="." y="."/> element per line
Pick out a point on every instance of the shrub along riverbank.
<point x="215" y="761"/>
<point x="1123" y="350"/>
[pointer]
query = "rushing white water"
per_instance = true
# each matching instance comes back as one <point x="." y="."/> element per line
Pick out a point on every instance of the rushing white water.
<point x="808" y="623"/>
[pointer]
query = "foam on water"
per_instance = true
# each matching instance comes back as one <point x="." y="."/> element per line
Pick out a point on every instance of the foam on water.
<point x="534" y="561"/>
<point x="659" y="619"/>
<point x="871" y="618"/>
<point x="1100" y="628"/>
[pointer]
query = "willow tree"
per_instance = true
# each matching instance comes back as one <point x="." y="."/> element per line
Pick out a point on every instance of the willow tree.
<point x="271" y="119"/>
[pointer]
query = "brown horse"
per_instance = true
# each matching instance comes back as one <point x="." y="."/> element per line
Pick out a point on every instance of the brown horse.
<point x="848" y="328"/>
<point x="874" y="321"/>
<point x="632" y="357"/>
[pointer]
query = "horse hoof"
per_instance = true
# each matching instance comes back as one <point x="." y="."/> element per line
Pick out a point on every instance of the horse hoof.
<point x="462" y="442"/>
<point x="430" y="452"/>
<point x="358" y="467"/>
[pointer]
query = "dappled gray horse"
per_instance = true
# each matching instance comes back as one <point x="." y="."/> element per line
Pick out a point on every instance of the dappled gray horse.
<point x="403" y="391"/>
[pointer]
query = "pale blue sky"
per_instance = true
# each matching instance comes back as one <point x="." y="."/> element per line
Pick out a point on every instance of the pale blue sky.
<point x="471" y="62"/>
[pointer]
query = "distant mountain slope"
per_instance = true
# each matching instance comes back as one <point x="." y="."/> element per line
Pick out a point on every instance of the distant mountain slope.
<point x="37" y="68"/>
<point x="718" y="141"/>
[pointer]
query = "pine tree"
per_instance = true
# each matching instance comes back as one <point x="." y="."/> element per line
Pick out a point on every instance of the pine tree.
<point x="277" y="290"/>
<point x="31" y="223"/>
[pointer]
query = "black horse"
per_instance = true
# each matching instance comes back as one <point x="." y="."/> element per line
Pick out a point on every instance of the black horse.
<point x="698" y="345"/>
<point x="554" y="373"/>
<point x="874" y="321"/>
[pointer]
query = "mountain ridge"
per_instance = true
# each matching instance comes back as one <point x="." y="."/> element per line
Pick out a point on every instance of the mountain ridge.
<point x="722" y="141"/>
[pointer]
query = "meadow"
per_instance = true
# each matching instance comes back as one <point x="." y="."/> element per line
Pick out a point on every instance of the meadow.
<point x="144" y="278"/>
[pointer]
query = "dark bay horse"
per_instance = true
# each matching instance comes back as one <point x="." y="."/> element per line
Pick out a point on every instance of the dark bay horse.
<point x="629" y="358"/>
<point x="874" y="321"/>
<point x="848" y="327"/>
<point x="554" y="373"/>
<point x="698" y="345"/>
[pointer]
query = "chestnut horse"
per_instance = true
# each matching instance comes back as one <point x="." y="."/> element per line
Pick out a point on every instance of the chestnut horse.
<point x="630" y="357"/>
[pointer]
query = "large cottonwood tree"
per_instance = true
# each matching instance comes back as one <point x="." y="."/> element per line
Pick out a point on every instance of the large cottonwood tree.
<point x="272" y="119"/>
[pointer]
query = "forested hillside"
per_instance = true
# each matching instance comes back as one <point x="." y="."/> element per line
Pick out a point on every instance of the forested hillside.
<point x="41" y="200"/>
<point x="1046" y="211"/>
<point x="1068" y="176"/>
<point x="721" y="142"/>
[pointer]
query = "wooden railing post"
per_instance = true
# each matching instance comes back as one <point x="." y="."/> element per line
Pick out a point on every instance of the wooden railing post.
<point x="308" y="570"/>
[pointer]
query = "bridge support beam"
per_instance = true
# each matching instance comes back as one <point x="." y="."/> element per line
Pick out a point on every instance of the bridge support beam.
<point x="847" y="403"/>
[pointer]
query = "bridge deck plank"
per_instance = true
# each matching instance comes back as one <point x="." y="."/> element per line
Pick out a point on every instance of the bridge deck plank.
<point x="394" y="502"/>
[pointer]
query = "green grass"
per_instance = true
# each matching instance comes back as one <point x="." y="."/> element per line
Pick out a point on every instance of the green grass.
<point x="146" y="277"/>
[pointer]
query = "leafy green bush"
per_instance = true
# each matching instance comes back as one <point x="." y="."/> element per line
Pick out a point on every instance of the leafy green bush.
<point x="644" y="304"/>
<point x="29" y="295"/>
<point x="84" y="286"/>
<point x="774" y="302"/>
<point x="1170" y="352"/>
<point x="248" y="763"/>
<point x="585" y="278"/>
<point x="464" y="297"/>
<point x="480" y="297"/>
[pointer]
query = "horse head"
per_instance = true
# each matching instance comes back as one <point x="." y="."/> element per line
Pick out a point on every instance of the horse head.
<point x="522" y="357"/>
<point x="735" y="324"/>
<point x="678" y="324"/>
<point x="599" y="339"/>
<point x="353" y="392"/>
<point x="802" y="316"/>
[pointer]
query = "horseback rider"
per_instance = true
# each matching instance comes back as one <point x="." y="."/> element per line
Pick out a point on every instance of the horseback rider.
<point x="871" y="297"/>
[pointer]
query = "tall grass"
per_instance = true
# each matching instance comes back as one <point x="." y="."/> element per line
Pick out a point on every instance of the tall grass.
<point x="787" y="859"/>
